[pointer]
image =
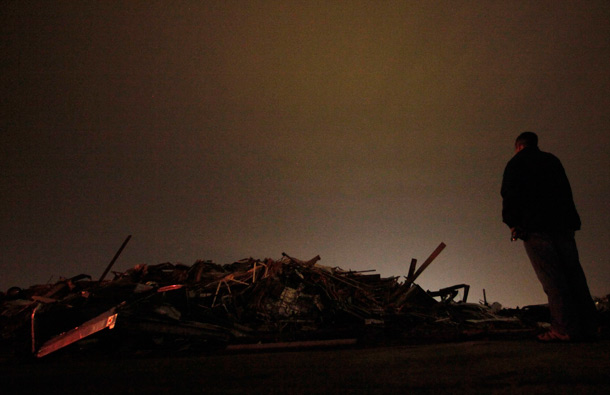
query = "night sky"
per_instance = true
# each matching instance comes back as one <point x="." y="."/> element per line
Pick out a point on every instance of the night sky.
<point x="365" y="132"/>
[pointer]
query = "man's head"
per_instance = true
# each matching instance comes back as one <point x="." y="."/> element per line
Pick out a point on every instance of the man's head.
<point x="526" y="139"/>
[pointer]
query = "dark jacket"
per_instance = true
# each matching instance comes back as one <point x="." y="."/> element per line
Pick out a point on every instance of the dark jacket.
<point x="536" y="193"/>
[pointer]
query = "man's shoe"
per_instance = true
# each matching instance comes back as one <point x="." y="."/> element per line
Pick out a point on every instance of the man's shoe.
<point x="553" y="337"/>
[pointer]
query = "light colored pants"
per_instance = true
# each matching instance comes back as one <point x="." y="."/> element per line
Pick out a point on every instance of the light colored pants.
<point x="554" y="257"/>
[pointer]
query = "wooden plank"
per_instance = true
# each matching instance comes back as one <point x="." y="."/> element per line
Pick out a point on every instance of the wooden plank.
<point x="411" y="270"/>
<point x="428" y="261"/>
<point x="102" y="321"/>
<point x="114" y="259"/>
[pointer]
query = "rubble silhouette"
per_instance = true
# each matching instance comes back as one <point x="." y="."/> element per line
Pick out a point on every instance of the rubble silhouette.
<point x="248" y="304"/>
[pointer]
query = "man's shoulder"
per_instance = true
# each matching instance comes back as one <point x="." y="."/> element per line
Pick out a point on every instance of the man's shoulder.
<point x="546" y="154"/>
<point x="549" y="159"/>
<point x="534" y="154"/>
<point x="528" y="160"/>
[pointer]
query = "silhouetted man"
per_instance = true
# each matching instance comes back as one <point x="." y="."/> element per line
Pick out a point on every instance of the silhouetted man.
<point x="539" y="209"/>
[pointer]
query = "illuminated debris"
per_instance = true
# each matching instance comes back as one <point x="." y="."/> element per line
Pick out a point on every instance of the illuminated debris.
<point x="103" y="321"/>
<point x="245" y="302"/>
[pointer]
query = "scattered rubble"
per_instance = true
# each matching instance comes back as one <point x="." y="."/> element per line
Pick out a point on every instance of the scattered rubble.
<point x="248" y="304"/>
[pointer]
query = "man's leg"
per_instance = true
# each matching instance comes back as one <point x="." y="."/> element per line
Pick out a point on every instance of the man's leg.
<point x="581" y="303"/>
<point x="547" y="264"/>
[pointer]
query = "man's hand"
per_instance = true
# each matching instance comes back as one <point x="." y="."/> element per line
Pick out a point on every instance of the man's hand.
<point x="517" y="233"/>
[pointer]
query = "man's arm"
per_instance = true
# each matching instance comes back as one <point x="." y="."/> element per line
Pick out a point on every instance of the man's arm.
<point x="511" y="200"/>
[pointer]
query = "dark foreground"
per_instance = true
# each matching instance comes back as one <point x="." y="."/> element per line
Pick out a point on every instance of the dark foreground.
<point x="484" y="366"/>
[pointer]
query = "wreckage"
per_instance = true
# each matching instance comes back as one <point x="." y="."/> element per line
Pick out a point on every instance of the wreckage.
<point x="250" y="303"/>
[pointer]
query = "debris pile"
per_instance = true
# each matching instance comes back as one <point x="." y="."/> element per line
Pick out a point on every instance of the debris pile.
<point x="248" y="302"/>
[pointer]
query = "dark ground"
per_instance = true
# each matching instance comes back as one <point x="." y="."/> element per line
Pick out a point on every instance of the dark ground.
<point x="482" y="366"/>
